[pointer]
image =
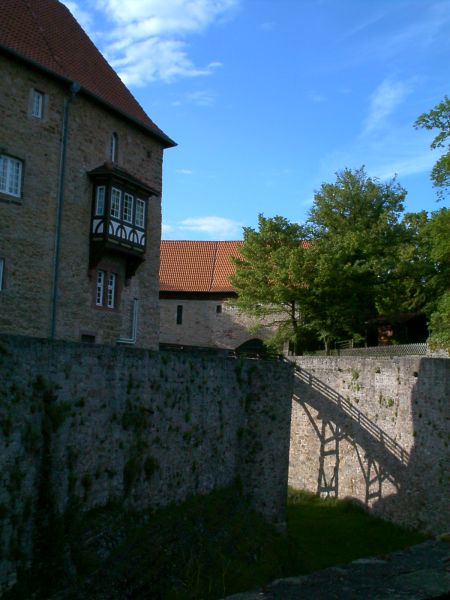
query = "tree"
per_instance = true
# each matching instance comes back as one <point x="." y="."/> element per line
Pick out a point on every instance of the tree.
<point x="440" y="325"/>
<point x="439" y="118"/>
<point x="356" y="231"/>
<point x="271" y="277"/>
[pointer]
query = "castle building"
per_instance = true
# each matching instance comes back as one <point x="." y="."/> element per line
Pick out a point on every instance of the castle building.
<point x="194" y="297"/>
<point x="80" y="187"/>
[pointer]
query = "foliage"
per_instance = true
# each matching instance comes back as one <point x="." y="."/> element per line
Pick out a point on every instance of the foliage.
<point x="332" y="286"/>
<point x="356" y="230"/>
<point x="439" y="118"/>
<point x="271" y="273"/>
<point x="440" y="325"/>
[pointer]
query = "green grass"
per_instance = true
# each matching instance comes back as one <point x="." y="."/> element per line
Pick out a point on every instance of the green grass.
<point x="327" y="532"/>
<point x="204" y="549"/>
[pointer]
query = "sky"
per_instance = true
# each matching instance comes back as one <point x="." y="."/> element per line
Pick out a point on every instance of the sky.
<point x="268" y="99"/>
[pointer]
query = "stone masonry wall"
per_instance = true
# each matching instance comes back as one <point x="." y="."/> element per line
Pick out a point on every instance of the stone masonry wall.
<point x="375" y="429"/>
<point x="99" y="423"/>
<point x="203" y="326"/>
<point x="28" y="223"/>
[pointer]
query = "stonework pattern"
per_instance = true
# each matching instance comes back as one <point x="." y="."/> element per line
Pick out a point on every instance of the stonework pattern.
<point x="203" y="325"/>
<point x="376" y="430"/>
<point x="28" y="223"/>
<point x="99" y="423"/>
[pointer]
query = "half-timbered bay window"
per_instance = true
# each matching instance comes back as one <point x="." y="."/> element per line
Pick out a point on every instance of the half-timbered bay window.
<point x="10" y="175"/>
<point x="119" y="216"/>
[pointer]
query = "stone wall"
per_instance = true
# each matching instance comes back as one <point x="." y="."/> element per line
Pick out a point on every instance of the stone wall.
<point x="375" y="429"/>
<point x="28" y="223"/>
<point x="99" y="423"/>
<point x="203" y="325"/>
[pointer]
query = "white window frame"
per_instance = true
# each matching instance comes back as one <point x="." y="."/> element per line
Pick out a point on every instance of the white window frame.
<point x="100" y="195"/>
<point x="139" y="218"/>
<point x="111" y="290"/>
<point x="100" y="287"/>
<point x="11" y="175"/>
<point x="37" y="104"/>
<point x="116" y="201"/>
<point x="128" y="201"/>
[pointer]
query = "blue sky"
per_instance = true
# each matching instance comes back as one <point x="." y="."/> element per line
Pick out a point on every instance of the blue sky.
<point x="267" y="99"/>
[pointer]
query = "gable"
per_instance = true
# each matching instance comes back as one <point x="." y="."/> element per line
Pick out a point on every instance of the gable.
<point x="44" y="33"/>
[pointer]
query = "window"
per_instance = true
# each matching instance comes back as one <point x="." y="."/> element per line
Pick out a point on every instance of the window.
<point x="2" y="268"/>
<point x="114" y="146"/>
<point x="140" y="213"/>
<point x="105" y="291"/>
<point x="115" y="203"/>
<point x="100" y="288"/>
<point x="218" y="309"/>
<point x="37" y="105"/>
<point x="100" y="200"/>
<point x="111" y="297"/>
<point x="179" y="315"/>
<point x="128" y="208"/>
<point x="87" y="338"/>
<point x="10" y="175"/>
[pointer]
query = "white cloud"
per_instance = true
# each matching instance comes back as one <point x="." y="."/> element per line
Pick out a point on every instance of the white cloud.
<point x="83" y="17"/>
<point x="183" y="171"/>
<point x="317" y="97"/>
<point x="166" y="231"/>
<point x="268" y="26"/>
<point x="399" y="150"/>
<point x="201" y="98"/>
<point x="383" y="102"/>
<point x="147" y="40"/>
<point x="218" y="228"/>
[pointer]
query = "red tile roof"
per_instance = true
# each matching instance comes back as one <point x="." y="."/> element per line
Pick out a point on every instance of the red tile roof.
<point x="194" y="266"/>
<point x="45" y="33"/>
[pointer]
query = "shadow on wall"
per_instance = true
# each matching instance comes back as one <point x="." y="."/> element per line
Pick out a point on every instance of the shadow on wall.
<point x="383" y="459"/>
<point x="419" y="478"/>
<point x="425" y="486"/>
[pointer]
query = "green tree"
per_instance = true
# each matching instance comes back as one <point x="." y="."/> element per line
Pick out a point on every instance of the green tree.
<point x="440" y="324"/>
<point x="271" y="276"/>
<point x="439" y="118"/>
<point x="356" y="230"/>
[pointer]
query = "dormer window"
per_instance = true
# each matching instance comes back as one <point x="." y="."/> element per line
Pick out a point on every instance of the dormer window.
<point x="114" y="147"/>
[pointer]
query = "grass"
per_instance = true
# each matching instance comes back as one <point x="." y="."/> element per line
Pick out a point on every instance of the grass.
<point x="327" y="532"/>
<point x="204" y="549"/>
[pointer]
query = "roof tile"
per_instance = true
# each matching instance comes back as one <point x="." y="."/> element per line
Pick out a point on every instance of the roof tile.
<point x="46" y="33"/>
<point x="197" y="266"/>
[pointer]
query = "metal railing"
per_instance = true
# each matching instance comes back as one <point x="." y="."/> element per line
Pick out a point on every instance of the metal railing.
<point x="394" y="350"/>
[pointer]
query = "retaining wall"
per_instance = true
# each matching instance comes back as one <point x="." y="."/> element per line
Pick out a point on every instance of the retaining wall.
<point x="98" y="423"/>
<point x="375" y="429"/>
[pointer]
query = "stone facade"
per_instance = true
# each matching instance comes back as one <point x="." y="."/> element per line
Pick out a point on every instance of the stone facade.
<point x="375" y="429"/>
<point x="28" y="223"/>
<point x="207" y="322"/>
<point x="94" y="424"/>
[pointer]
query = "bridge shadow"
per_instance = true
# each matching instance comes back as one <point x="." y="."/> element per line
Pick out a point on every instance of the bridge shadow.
<point x="381" y="458"/>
